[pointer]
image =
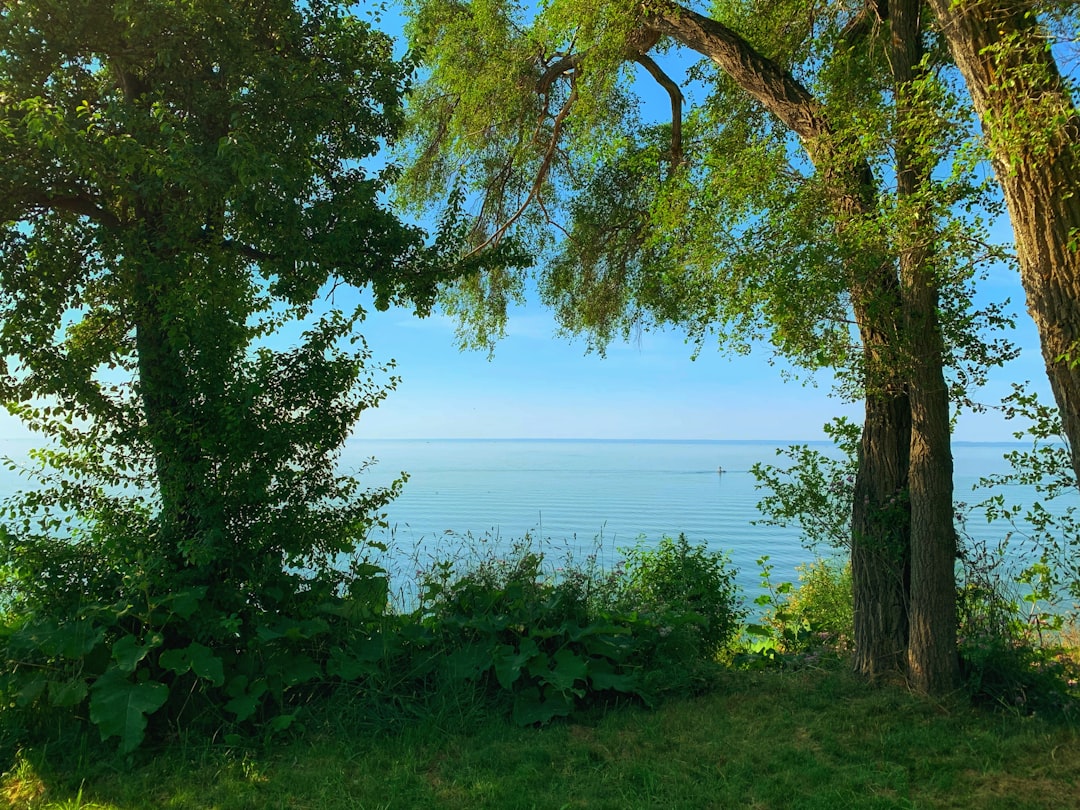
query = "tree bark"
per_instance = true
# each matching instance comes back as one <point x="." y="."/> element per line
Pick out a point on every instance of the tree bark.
<point x="932" y="661"/>
<point x="1030" y="120"/>
<point x="880" y="527"/>
<point x="880" y="544"/>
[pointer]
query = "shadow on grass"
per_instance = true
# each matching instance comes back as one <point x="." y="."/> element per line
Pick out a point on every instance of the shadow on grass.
<point x="807" y="739"/>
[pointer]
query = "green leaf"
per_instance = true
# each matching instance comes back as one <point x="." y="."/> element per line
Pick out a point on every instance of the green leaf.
<point x="243" y="706"/>
<point x="185" y="603"/>
<point x="31" y="691"/>
<point x="195" y="657"/>
<point x="70" y="640"/>
<point x="67" y="693"/>
<point x="281" y="722"/>
<point x="532" y="708"/>
<point x="349" y="667"/>
<point x="128" y="652"/>
<point x="509" y="662"/>
<point x="467" y="662"/>
<point x="119" y="706"/>
<point x="299" y="668"/>
<point x="244" y="701"/>
<point x="567" y="668"/>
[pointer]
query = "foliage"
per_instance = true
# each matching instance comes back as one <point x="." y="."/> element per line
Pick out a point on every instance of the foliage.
<point x="816" y="491"/>
<point x="185" y="179"/>
<point x="1050" y="531"/>
<point x="687" y="588"/>
<point x="557" y="641"/>
<point x="1014" y="597"/>
<point x="801" y="622"/>
<point x="1010" y="641"/>
<point x="176" y="659"/>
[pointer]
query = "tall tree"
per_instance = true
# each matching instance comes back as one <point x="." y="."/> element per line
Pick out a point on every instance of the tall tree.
<point x="931" y="657"/>
<point x="180" y="179"/>
<point x="666" y="232"/>
<point x="1029" y="113"/>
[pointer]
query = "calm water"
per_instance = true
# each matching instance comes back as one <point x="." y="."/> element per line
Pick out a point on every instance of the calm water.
<point x="571" y="494"/>
<point x="575" y="492"/>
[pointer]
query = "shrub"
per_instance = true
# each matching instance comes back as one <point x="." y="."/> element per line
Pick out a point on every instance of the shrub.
<point x="1011" y="650"/>
<point x="555" y="641"/>
<point x="688" y="591"/>
<point x="823" y="602"/>
<point x="800" y="622"/>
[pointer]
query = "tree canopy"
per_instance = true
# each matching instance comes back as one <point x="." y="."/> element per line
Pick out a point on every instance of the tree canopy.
<point x="797" y="199"/>
<point x="181" y="180"/>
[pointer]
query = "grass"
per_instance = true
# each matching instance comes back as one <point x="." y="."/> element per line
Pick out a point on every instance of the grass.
<point x="807" y="739"/>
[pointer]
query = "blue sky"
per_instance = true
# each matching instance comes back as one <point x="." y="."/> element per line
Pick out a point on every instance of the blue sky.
<point x="540" y="385"/>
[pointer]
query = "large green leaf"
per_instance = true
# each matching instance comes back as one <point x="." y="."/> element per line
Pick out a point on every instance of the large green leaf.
<point x="69" y="640"/>
<point x="468" y="661"/>
<point x="603" y="676"/>
<point x="195" y="657"/>
<point x="129" y="651"/>
<point x="67" y="693"/>
<point x="119" y="706"/>
<point x="567" y="668"/>
<point x="532" y="707"/>
<point x="509" y="662"/>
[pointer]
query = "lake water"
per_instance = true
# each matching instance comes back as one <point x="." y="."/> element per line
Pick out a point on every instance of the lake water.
<point x="571" y="495"/>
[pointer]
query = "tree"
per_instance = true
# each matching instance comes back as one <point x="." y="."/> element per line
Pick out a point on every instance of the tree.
<point x="181" y="180"/>
<point x="701" y="223"/>
<point x="1028" y="111"/>
<point x="932" y="659"/>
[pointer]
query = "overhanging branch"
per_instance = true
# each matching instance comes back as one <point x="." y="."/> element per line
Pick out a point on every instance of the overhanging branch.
<point x="676" y="96"/>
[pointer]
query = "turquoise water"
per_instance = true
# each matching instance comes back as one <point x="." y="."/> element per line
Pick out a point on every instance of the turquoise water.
<point x="572" y="495"/>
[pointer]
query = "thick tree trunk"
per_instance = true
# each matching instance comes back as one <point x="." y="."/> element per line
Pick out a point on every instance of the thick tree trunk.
<point x="879" y="533"/>
<point x="1032" y="125"/>
<point x="880" y="554"/>
<point x="190" y="525"/>
<point x="931" y="659"/>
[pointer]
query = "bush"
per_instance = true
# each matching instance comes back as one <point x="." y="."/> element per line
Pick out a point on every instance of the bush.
<point x="800" y="623"/>
<point x="823" y="602"/>
<point x="1011" y="650"/>
<point x="552" y="642"/>
<point x="688" y="591"/>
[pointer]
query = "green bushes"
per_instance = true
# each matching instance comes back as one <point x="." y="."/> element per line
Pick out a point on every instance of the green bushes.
<point x="554" y="641"/>
<point x="510" y="632"/>
<point x="801" y="622"/>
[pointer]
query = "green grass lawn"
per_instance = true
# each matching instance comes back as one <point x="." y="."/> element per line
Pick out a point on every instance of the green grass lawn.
<point x="808" y="739"/>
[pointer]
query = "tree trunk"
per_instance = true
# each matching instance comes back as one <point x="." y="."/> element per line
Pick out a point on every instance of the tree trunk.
<point x="931" y="658"/>
<point x="1033" y="129"/>
<point x="880" y="527"/>
<point x="879" y="542"/>
<point x="189" y="521"/>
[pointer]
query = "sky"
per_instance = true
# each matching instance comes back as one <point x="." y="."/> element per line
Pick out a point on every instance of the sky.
<point x="540" y="385"/>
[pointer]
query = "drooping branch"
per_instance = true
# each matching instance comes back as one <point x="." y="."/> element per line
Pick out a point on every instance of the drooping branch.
<point x="870" y="16"/>
<point x="676" y="96"/>
<point x="564" y="64"/>
<point x="539" y="179"/>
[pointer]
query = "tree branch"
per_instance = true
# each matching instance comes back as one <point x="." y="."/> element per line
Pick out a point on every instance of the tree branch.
<point x="556" y="69"/>
<point x="538" y="181"/>
<point x="72" y="203"/>
<point x="676" y="95"/>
